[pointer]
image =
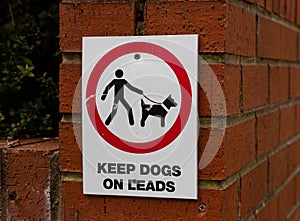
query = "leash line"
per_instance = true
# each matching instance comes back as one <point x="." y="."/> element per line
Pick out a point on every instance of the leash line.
<point x="149" y="99"/>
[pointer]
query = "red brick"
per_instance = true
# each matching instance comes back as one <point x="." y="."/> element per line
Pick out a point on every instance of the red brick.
<point x="287" y="122"/>
<point x="298" y="13"/>
<point x="297" y="118"/>
<point x="269" y="211"/>
<point x="187" y="17"/>
<point x="282" y="8"/>
<point x="269" y="5"/>
<point x="262" y="3"/>
<point x="276" y="6"/>
<point x="28" y="181"/>
<point x="255" y="82"/>
<point x="239" y="146"/>
<point x="253" y="188"/>
<point x="278" y="168"/>
<point x="215" y="169"/>
<point x="288" y="44"/>
<point x="211" y="103"/>
<point x="70" y="155"/>
<point x="294" y="156"/>
<point x="279" y="84"/>
<point x="267" y="131"/>
<point x="76" y="206"/>
<point x="281" y="45"/>
<point x="240" y="31"/>
<point x="294" y="82"/>
<point x="221" y="204"/>
<point x="236" y="151"/>
<point x="291" y="10"/>
<point x="94" y="19"/>
<point x="69" y="76"/>
<point x="296" y="215"/>
<point x="298" y="187"/>
<point x="286" y="199"/>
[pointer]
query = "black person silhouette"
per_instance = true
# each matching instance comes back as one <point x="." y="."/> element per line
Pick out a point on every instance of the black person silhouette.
<point x="119" y="96"/>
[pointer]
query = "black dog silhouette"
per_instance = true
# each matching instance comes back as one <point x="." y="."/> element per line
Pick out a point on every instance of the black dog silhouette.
<point x="157" y="110"/>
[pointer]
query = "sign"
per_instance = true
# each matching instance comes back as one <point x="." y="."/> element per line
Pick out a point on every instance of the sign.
<point x="140" y="119"/>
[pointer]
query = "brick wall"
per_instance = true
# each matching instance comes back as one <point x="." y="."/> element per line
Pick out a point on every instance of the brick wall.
<point x="254" y="48"/>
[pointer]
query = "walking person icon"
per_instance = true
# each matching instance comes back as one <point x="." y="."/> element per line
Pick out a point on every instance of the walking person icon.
<point x="119" y="84"/>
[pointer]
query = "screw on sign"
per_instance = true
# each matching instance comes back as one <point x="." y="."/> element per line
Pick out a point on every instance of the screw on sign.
<point x="140" y="116"/>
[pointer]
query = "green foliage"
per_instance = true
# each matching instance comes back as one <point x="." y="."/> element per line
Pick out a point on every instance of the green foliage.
<point x="29" y="60"/>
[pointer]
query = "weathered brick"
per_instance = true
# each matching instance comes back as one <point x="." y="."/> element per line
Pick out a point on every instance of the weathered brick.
<point x="281" y="45"/>
<point x="70" y="155"/>
<point x="253" y="188"/>
<point x="287" y="122"/>
<point x="236" y="150"/>
<point x="269" y="5"/>
<point x="267" y="132"/>
<point x="220" y="205"/>
<point x="239" y="146"/>
<point x="261" y="3"/>
<point x="240" y="31"/>
<point x="75" y="205"/>
<point x="297" y="129"/>
<point x="291" y="8"/>
<point x="181" y="17"/>
<point x="269" y="211"/>
<point x="278" y="168"/>
<point x="298" y="187"/>
<point x="279" y="84"/>
<point x="294" y="156"/>
<point x="215" y="169"/>
<point x="282" y="8"/>
<point x="294" y="82"/>
<point x="94" y="19"/>
<point x="286" y="199"/>
<point x="276" y="6"/>
<point x="211" y="103"/>
<point x="255" y="82"/>
<point x="28" y="170"/>
<point x="69" y="77"/>
<point x="296" y="215"/>
<point x="298" y="14"/>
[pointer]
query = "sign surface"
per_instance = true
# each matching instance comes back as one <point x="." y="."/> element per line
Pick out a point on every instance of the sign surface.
<point x="139" y="116"/>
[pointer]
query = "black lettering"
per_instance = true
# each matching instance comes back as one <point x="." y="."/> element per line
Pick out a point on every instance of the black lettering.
<point x="130" y="167"/>
<point x="144" y="169"/>
<point x="155" y="170"/>
<point x="160" y="185"/>
<point x="121" y="169"/>
<point x="101" y="168"/>
<point x="131" y="185"/>
<point x="170" y="186"/>
<point x="111" y="168"/>
<point x="118" y="184"/>
<point x="176" y="171"/>
<point x="108" y="183"/>
<point x="166" y="170"/>
<point x="140" y="185"/>
<point x="150" y="186"/>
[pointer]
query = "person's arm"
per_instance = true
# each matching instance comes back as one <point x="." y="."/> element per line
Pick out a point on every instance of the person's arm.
<point x="134" y="89"/>
<point x="107" y="88"/>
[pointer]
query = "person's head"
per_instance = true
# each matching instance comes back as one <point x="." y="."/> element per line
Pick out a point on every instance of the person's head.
<point x="119" y="73"/>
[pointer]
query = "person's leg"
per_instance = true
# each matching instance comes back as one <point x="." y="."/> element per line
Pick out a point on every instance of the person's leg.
<point x="129" y="111"/>
<point x="112" y="114"/>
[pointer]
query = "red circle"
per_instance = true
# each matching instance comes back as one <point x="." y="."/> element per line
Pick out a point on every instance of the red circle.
<point x="185" y="88"/>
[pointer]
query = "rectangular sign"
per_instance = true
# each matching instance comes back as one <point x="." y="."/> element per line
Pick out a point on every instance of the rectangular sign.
<point x="139" y="115"/>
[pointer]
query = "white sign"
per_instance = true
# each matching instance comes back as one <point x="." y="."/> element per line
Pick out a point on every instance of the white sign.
<point x="140" y="119"/>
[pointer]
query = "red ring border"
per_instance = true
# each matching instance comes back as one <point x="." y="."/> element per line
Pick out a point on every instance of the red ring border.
<point x="186" y="97"/>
